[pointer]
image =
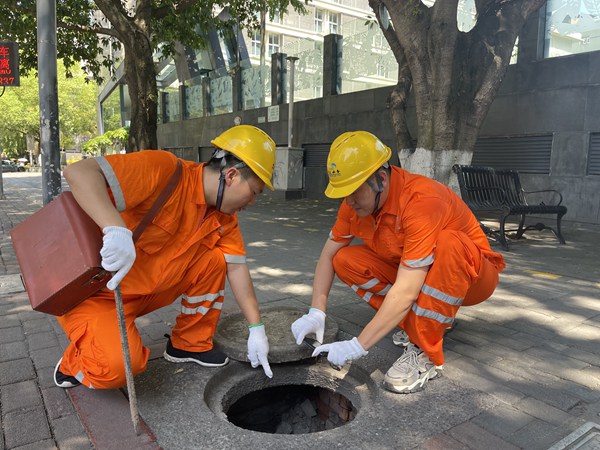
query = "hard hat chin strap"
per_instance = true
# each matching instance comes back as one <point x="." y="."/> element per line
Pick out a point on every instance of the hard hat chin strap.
<point x="221" y="153"/>
<point x="377" y="189"/>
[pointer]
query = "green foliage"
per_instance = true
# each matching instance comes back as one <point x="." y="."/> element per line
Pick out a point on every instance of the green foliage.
<point x="82" y="36"/>
<point x="20" y="111"/>
<point x="112" y="141"/>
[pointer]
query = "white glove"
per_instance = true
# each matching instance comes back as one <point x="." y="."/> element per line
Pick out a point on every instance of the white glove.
<point x="118" y="253"/>
<point x="313" y="322"/>
<point x="258" y="349"/>
<point x="342" y="351"/>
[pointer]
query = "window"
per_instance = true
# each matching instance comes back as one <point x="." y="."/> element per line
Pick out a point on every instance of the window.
<point x="255" y="44"/>
<point x="318" y="21"/>
<point x="274" y="43"/>
<point x="334" y="20"/>
<point x="571" y="27"/>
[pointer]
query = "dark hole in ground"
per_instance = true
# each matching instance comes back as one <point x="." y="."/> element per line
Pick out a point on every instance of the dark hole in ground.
<point x="292" y="409"/>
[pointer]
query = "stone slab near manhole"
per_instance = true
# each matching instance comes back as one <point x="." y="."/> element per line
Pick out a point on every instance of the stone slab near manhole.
<point x="232" y="335"/>
<point x="586" y="437"/>
<point x="11" y="284"/>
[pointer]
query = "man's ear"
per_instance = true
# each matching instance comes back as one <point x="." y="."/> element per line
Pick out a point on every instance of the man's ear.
<point x="230" y="174"/>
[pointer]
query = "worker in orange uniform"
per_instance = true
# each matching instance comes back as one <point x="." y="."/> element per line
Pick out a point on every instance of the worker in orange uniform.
<point x="186" y="253"/>
<point x="423" y="256"/>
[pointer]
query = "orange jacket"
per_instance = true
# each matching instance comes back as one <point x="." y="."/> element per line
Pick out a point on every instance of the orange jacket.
<point x="168" y="244"/>
<point x="406" y="229"/>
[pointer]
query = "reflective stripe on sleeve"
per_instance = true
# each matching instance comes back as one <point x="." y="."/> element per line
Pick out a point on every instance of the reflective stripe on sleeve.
<point x="348" y="236"/>
<point x="439" y="295"/>
<point x="113" y="182"/>
<point x="431" y="314"/>
<point x="427" y="261"/>
<point x="235" y="259"/>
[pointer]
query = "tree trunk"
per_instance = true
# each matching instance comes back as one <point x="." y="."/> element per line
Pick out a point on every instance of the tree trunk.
<point x="140" y="73"/>
<point x="455" y="75"/>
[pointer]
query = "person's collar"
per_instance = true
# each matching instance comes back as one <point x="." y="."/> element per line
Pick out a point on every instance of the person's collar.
<point x="396" y="182"/>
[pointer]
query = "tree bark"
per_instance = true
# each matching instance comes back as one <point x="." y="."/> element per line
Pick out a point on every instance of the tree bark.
<point x="455" y="75"/>
<point x="134" y="31"/>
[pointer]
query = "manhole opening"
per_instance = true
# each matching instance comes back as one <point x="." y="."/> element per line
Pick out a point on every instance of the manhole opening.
<point x="291" y="409"/>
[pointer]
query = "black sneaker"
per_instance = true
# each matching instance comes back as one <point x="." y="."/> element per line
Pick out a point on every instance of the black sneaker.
<point x="62" y="380"/>
<point x="209" y="358"/>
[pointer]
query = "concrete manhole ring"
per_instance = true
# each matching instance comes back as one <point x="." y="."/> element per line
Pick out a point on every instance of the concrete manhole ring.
<point x="232" y="334"/>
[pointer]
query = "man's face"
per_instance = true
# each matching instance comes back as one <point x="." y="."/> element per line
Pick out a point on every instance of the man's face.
<point x="362" y="200"/>
<point x="240" y="192"/>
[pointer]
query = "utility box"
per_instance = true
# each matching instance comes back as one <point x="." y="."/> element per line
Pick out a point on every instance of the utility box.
<point x="289" y="165"/>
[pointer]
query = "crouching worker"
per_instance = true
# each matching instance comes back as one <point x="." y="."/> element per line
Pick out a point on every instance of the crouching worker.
<point x="186" y="253"/>
<point x="424" y="255"/>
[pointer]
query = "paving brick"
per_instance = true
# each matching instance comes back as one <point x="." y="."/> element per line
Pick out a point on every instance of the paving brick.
<point x="502" y="420"/>
<point x="517" y="368"/>
<point x="15" y="371"/>
<point x="478" y="353"/>
<point x="41" y="340"/>
<point x="537" y="435"/>
<point x="47" y="444"/>
<point x="13" y="350"/>
<point x="543" y="411"/>
<point x="20" y="396"/>
<point x="25" y="427"/>
<point x="57" y="402"/>
<point x="12" y="334"/>
<point x="70" y="434"/>
<point x="37" y="325"/>
<point x="443" y="442"/>
<point x="9" y="321"/>
<point x="46" y="357"/>
<point x="476" y="437"/>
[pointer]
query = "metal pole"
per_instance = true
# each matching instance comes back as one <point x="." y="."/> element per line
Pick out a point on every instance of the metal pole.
<point x="48" y="92"/>
<point x="133" y="409"/>
<point x="292" y="60"/>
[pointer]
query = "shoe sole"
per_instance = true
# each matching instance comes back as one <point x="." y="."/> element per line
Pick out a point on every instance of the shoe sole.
<point x="400" y="343"/>
<point x="64" y="384"/>
<point x="192" y="360"/>
<point x="418" y="385"/>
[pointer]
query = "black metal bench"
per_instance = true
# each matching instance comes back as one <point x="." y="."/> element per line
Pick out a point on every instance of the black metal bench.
<point x="499" y="191"/>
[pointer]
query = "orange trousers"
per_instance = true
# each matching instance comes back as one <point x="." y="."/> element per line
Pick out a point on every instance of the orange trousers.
<point x="459" y="275"/>
<point x="94" y="354"/>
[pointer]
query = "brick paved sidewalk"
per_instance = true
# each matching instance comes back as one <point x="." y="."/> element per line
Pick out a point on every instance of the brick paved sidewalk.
<point x="532" y="350"/>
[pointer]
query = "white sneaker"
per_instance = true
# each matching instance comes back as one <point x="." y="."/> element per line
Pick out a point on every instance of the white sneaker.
<point x="411" y="371"/>
<point x="400" y="338"/>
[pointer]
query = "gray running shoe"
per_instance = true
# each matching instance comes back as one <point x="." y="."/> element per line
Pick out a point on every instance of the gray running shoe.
<point x="400" y="338"/>
<point x="411" y="371"/>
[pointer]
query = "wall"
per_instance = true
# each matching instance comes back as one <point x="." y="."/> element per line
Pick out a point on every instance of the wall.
<point x="559" y="96"/>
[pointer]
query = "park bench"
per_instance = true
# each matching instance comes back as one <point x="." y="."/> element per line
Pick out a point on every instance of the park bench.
<point x="499" y="191"/>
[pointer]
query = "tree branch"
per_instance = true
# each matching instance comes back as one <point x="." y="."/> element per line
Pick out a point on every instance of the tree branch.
<point x="95" y="30"/>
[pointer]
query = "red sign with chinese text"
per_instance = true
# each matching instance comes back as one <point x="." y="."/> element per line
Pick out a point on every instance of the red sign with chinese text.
<point x="9" y="64"/>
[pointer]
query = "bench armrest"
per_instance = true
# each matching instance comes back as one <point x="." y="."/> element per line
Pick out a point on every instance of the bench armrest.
<point x="560" y="198"/>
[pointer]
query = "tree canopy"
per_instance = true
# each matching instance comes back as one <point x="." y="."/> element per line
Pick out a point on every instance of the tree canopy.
<point x="20" y="112"/>
<point x="452" y="75"/>
<point x="98" y="33"/>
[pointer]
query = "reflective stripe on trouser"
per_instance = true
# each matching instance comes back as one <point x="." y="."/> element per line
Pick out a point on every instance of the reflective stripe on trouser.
<point x="94" y="354"/>
<point x="458" y="276"/>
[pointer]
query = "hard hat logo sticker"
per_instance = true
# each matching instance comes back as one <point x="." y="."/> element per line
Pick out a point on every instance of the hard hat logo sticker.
<point x="333" y="171"/>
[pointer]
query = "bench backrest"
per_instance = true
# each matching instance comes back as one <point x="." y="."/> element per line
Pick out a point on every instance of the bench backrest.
<point x="509" y="180"/>
<point x="487" y="188"/>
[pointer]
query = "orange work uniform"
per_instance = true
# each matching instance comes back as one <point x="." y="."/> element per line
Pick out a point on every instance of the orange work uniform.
<point x="422" y="224"/>
<point x="182" y="254"/>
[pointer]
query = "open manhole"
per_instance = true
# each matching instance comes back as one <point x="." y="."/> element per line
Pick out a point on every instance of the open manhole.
<point x="301" y="398"/>
<point x="291" y="409"/>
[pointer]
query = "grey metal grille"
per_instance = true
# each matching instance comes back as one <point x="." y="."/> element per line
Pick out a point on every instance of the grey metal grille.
<point x="315" y="155"/>
<point x="526" y="154"/>
<point x="594" y="155"/>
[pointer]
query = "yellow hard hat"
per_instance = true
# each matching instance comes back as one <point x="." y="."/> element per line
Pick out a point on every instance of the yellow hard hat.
<point x="252" y="146"/>
<point x="354" y="156"/>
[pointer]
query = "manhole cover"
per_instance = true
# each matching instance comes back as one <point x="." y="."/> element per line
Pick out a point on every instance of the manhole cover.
<point x="232" y="335"/>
